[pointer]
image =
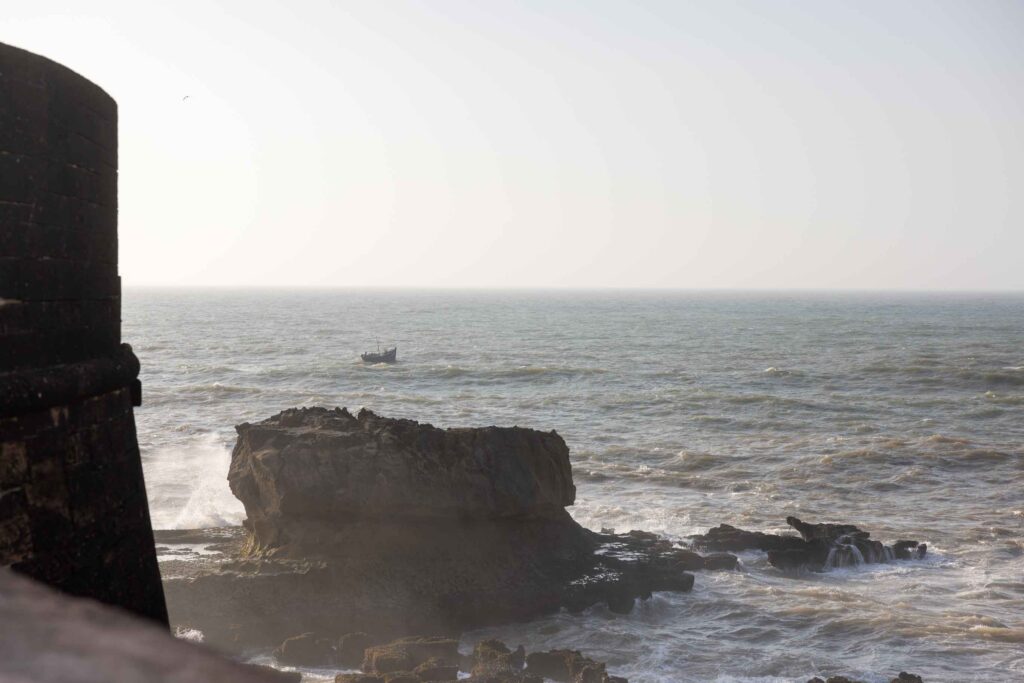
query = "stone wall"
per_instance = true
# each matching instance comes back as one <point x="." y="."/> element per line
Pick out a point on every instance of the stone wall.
<point x="73" y="509"/>
<point x="46" y="637"/>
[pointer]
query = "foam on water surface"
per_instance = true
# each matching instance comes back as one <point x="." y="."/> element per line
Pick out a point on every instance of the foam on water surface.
<point x="682" y="411"/>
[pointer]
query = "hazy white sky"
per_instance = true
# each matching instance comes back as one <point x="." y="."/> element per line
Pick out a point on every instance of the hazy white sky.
<point x="762" y="144"/>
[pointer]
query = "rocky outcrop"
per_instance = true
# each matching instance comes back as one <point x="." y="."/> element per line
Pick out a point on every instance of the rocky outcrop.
<point x="819" y="547"/>
<point x="391" y="527"/>
<point x="306" y="476"/>
<point x="421" y="659"/>
<point x="406" y="654"/>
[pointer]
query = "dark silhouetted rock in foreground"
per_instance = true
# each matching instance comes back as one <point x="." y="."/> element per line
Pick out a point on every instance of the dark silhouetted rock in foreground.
<point x="396" y="527"/>
<point x="819" y="546"/>
<point x="51" y="637"/>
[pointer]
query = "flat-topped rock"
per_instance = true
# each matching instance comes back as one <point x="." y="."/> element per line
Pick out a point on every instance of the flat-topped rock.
<point x="315" y="466"/>
<point x="386" y="526"/>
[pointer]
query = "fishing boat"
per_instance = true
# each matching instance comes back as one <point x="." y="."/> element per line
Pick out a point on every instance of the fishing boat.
<point x="388" y="356"/>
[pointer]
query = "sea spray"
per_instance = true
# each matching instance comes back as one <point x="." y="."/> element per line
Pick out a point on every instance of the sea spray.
<point x="192" y="478"/>
<point x="889" y="392"/>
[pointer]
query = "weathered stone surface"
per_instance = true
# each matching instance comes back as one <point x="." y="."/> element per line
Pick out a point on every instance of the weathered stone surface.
<point x="405" y="654"/>
<point x="305" y="468"/>
<point x="73" y="511"/>
<point x="492" y="658"/>
<point x="393" y="527"/>
<point x="51" y="637"/>
<point x="435" y="669"/>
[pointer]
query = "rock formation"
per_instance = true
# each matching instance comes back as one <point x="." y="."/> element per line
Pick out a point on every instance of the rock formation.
<point x="391" y="526"/>
<point x="310" y="478"/>
<point x="818" y="548"/>
<point x="423" y="660"/>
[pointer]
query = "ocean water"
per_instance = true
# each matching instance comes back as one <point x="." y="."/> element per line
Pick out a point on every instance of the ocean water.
<point x="903" y="414"/>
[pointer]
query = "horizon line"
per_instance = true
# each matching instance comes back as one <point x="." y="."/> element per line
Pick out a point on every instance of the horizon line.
<point x="575" y="288"/>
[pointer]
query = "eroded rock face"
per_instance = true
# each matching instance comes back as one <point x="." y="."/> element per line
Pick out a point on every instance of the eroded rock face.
<point x="391" y="527"/>
<point x="819" y="547"/>
<point x="306" y="470"/>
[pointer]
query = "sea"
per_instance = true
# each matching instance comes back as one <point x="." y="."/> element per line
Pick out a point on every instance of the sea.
<point x="900" y="413"/>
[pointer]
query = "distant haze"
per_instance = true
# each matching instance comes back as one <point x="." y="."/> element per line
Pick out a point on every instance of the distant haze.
<point x="814" y="144"/>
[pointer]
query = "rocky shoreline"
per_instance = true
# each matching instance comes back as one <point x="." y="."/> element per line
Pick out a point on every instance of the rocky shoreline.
<point x="384" y="529"/>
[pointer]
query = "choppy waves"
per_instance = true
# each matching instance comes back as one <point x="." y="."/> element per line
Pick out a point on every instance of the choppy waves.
<point x="681" y="412"/>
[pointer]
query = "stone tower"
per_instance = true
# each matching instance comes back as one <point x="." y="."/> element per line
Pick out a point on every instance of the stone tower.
<point x="73" y="509"/>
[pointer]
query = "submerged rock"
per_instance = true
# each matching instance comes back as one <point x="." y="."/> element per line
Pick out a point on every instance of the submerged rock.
<point x="395" y="527"/>
<point x="819" y="547"/>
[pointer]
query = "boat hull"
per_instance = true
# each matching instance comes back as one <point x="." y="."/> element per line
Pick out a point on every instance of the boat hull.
<point x="389" y="356"/>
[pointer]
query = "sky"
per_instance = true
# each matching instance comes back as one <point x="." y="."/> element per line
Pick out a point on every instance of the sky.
<point x="722" y="144"/>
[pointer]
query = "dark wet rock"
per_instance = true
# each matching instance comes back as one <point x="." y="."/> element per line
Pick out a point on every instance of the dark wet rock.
<point x="351" y="647"/>
<point x="492" y="658"/>
<point x="729" y="538"/>
<point x="358" y="678"/>
<point x="558" y="665"/>
<point x="517" y="658"/>
<point x="904" y="677"/>
<point x="568" y="666"/>
<point x="405" y="654"/>
<point x="909" y="550"/>
<point x="594" y="672"/>
<point x="435" y="669"/>
<point x="720" y="561"/>
<point x="819" y="546"/>
<point x="307" y="649"/>
<point x="395" y="527"/>
<point x="401" y="677"/>
<point x="821" y="532"/>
